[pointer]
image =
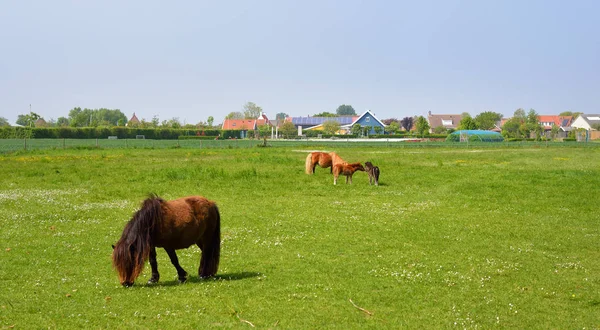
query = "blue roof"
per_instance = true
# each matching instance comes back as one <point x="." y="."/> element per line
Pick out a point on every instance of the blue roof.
<point x="313" y="121"/>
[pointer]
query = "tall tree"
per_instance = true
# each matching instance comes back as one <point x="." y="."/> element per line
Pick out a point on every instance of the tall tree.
<point x="510" y="129"/>
<point x="345" y="110"/>
<point x="281" y="116"/>
<point x="467" y="122"/>
<point x="252" y="111"/>
<point x="393" y="127"/>
<point x="407" y="123"/>
<point x="210" y="120"/>
<point x="533" y="124"/>
<point x="520" y="113"/>
<point x="356" y="129"/>
<point x="4" y="122"/>
<point x="422" y="126"/>
<point x="28" y="119"/>
<point x="331" y="126"/>
<point x="62" y="122"/>
<point x="487" y="120"/>
<point x="288" y="129"/>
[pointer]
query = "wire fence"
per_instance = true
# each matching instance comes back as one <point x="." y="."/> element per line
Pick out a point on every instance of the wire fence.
<point x="13" y="145"/>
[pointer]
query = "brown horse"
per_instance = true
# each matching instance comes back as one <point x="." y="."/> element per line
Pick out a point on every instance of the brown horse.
<point x="373" y="172"/>
<point x="314" y="158"/>
<point x="347" y="170"/>
<point x="172" y="225"/>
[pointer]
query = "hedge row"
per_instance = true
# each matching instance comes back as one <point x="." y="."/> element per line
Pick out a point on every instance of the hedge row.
<point x="100" y="133"/>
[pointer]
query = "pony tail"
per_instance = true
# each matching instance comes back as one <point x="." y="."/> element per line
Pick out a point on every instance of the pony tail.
<point x="308" y="164"/>
<point x="211" y="249"/>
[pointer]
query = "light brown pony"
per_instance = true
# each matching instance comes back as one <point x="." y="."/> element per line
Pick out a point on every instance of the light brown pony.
<point x="347" y="170"/>
<point x="336" y="159"/>
<point x="321" y="158"/>
<point x="172" y="225"/>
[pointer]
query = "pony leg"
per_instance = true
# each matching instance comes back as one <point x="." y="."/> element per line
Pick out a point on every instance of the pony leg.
<point x="181" y="273"/>
<point x="154" y="265"/>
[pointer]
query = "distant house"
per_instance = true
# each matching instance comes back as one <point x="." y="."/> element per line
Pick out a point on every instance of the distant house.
<point x="446" y="121"/>
<point x="40" y="123"/>
<point x="316" y="123"/>
<point x="133" y="121"/>
<point x="245" y="125"/>
<point x="367" y="119"/>
<point x="586" y="121"/>
<point x="560" y="121"/>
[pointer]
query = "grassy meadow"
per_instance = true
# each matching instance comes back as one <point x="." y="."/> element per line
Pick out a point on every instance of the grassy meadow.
<point x="489" y="237"/>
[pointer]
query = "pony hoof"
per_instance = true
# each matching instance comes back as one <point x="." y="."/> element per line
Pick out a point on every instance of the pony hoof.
<point x="153" y="281"/>
<point x="127" y="284"/>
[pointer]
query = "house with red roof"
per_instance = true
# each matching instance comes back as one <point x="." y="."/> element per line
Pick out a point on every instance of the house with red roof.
<point x="245" y="125"/>
<point x="133" y="121"/>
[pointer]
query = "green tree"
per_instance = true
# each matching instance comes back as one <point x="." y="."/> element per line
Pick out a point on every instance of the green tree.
<point x="331" y="126"/>
<point x="155" y="122"/>
<point x="520" y="114"/>
<point x="4" y="122"/>
<point x="28" y="119"/>
<point x="235" y="115"/>
<point x="440" y="130"/>
<point x="281" y="116"/>
<point x="210" y="120"/>
<point x="325" y="114"/>
<point x="288" y="129"/>
<point x="510" y="129"/>
<point x="252" y="111"/>
<point x="264" y="130"/>
<point x="80" y="117"/>
<point x="467" y="122"/>
<point x="356" y="129"/>
<point x="533" y="124"/>
<point x="554" y="132"/>
<point x="378" y="129"/>
<point x="393" y="127"/>
<point x="422" y="126"/>
<point x="345" y="110"/>
<point x="487" y="120"/>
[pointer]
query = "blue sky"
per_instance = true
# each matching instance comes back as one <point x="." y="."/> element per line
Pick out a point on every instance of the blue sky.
<point x="194" y="59"/>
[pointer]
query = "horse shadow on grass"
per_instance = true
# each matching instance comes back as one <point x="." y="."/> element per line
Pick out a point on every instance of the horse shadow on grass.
<point x="195" y="279"/>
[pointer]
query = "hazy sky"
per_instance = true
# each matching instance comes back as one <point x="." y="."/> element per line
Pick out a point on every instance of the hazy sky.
<point x="194" y="59"/>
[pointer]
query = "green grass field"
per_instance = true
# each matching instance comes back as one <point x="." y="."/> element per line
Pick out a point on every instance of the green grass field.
<point x="489" y="237"/>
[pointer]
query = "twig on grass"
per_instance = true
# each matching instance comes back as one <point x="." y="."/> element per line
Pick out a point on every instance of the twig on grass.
<point x="360" y="308"/>
<point x="241" y="319"/>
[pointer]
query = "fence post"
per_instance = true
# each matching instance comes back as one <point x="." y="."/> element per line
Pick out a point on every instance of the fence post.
<point x="25" y="139"/>
<point x="63" y="143"/>
<point x="96" y="142"/>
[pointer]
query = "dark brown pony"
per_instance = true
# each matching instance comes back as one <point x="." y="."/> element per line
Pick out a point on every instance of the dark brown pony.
<point x="373" y="172"/>
<point x="321" y="158"/>
<point x="347" y="170"/>
<point x="172" y="225"/>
